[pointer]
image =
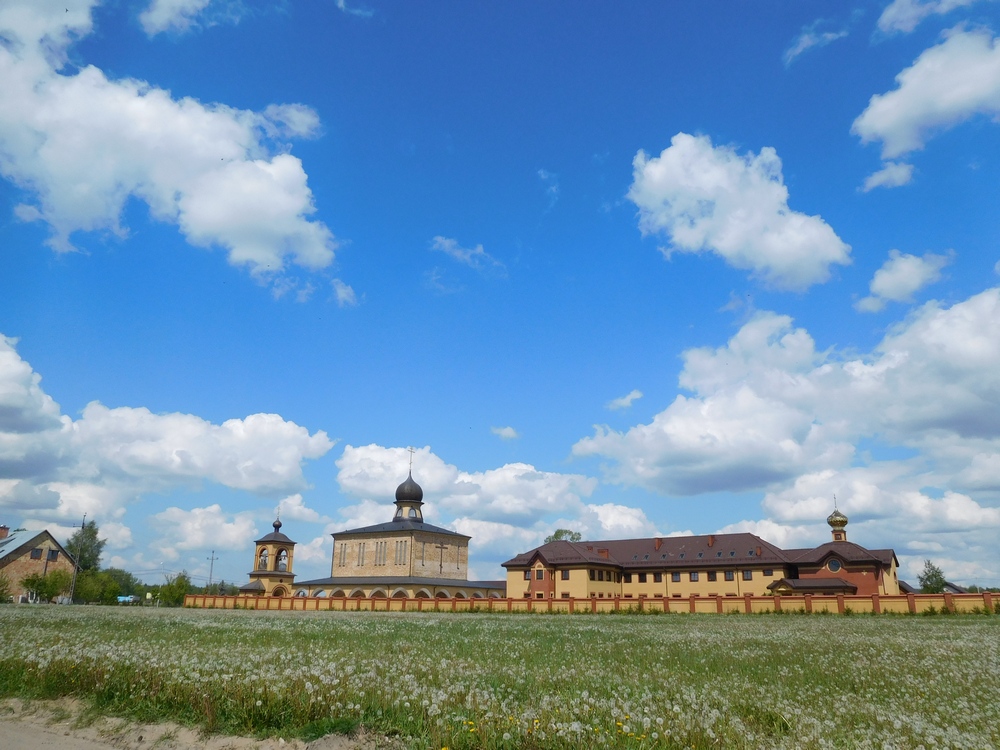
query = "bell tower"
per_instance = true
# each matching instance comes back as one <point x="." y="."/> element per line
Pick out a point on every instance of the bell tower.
<point x="272" y="564"/>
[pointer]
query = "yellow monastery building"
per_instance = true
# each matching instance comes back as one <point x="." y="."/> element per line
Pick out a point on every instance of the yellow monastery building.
<point x="403" y="558"/>
<point x="711" y="565"/>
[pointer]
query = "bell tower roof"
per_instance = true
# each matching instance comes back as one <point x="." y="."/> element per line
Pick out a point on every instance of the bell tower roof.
<point x="409" y="498"/>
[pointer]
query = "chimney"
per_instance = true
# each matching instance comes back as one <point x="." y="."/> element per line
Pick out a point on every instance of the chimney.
<point x="657" y="543"/>
<point x="603" y="553"/>
<point x="4" y="531"/>
<point x="711" y="540"/>
<point x="758" y="550"/>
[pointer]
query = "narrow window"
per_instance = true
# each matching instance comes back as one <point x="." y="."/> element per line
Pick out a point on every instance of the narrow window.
<point x="657" y="577"/>
<point x="593" y="576"/>
<point x="423" y="549"/>
<point x="711" y="575"/>
<point x="262" y="560"/>
<point x="693" y="576"/>
<point x="539" y="575"/>
<point x="600" y="575"/>
<point x="675" y="577"/>
<point x="527" y="575"/>
<point x="282" y="560"/>
<point x="747" y="575"/>
<point x="361" y="553"/>
<point x="628" y="578"/>
<point x="730" y="576"/>
<point x="564" y="575"/>
<point x="642" y="578"/>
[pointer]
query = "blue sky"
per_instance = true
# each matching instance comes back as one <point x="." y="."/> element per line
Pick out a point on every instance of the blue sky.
<point x="652" y="269"/>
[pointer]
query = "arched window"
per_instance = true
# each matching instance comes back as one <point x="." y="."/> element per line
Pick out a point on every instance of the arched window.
<point x="301" y="593"/>
<point x="282" y="560"/>
<point x="412" y="513"/>
<point x="262" y="560"/>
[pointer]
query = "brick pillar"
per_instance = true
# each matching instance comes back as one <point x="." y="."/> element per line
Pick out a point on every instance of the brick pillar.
<point x="718" y="604"/>
<point x="747" y="605"/>
<point x="840" y="603"/>
<point x="876" y="604"/>
<point x="949" y="602"/>
<point x="911" y="603"/>
<point x="691" y="605"/>
<point x="593" y="604"/>
<point x="809" y="603"/>
<point x="988" y="600"/>
<point x="777" y="603"/>
<point x="572" y="606"/>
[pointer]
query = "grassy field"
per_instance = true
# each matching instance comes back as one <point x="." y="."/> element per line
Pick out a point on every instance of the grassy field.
<point x="513" y="681"/>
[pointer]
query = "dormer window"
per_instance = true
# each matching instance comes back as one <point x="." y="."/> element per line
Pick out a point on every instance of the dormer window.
<point x="682" y="555"/>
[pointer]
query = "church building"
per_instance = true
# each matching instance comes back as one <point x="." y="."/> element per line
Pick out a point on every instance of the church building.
<point x="402" y="558"/>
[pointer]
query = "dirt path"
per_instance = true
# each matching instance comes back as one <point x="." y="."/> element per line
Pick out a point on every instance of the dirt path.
<point x="62" y="725"/>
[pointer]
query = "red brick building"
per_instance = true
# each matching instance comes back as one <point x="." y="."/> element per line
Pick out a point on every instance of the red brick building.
<point x="24" y="553"/>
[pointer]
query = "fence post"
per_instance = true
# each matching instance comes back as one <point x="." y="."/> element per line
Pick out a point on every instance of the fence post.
<point x="718" y="604"/>
<point x="876" y="604"/>
<point x="809" y="603"/>
<point x="777" y="603"/>
<point x="840" y="603"/>
<point x="747" y="605"/>
<point x="949" y="602"/>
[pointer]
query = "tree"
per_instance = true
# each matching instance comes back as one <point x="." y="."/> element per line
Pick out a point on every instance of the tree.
<point x="563" y="534"/>
<point x="96" y="587"/>
<point x="4" y="588"/>
<point x="172" y="594"/>
<point x="932" y="580"/>
<point x="47" y="587"/>
<point x="86" y="547"/>
<point x="128" y="584"/>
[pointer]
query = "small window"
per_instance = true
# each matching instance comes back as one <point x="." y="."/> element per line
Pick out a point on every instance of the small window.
<point x="635" y="557"/>
<point x="768" y="572"/>
<point x="749" y="553"/>
<point x="747" y="575"/>
<point x="593" y="576"/>
<point x="663" y="556"/>
<point x="732" y="553"/>
<point x="36" y="554"/>
<point x="539" y="595"/>
<point x="681" y="555"/>
<point x="711" y="575"/>
<point x="718" y="554"/>
<point x="412" y="513"/>
<point x="564" y="575"/>
<point x="642" y="578"/>
<point x="618" y="577"/>
<point x="657" y="577"/>
<point x="645" y="557"/>
<point x="730" y="576"/>
<point x="701" y="554"/>
<point x="565" y="595"/>
<point x="53" y="555"/>
<point x="693" y="576"/>
<point x="527" y="575"/>
<point x="628" y="578"/>
<point x="600" y="575"/>
<point x="600" y="595"/>
<point x="833" y="565"/>
<point x="539" y="575"/>
<point x="675" y="577"/>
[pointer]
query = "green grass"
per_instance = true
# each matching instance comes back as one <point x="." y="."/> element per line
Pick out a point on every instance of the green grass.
<point x="498" y="681"/>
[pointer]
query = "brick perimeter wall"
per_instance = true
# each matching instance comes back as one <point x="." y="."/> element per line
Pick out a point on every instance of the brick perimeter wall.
<point x="808" y="603"/>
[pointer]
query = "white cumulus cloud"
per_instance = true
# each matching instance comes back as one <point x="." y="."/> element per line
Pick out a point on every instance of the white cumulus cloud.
<point x="505" y="433"/>
<point x="901" y="277"/>
<point x="710" y="198"/>
<point x="903" y="16"/>
<point x="624" y="402"/>
<point x="893" y="174"/>
<point x="82" y="145"/>
<point x="53" y="467"/>
<point x="946" y="85"/>
<point x="171" y="15"/>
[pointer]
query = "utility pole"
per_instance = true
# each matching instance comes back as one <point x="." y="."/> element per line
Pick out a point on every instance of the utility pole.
<point x="76" y="562"/>
<point x="211" y="566"/>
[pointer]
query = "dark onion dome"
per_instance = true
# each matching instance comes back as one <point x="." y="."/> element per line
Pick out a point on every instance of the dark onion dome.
<point x="409" y="491"/>
<point x="277" y="525"/>
<point x="837" y="519"/>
